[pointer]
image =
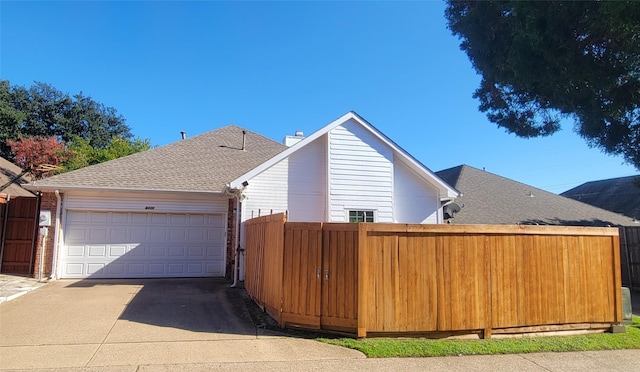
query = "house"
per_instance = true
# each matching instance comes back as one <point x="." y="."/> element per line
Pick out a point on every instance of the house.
<point x="620" y="195"/>
<point x="12" y="178"/>
<point x="491" y="199"/>
<point x="178" y="210"/>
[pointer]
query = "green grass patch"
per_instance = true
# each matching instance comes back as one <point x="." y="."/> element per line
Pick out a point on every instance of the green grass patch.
<point x="394" y="348"/>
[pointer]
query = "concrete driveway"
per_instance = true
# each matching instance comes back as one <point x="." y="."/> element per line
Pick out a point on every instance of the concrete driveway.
<point x="109" y="323"/>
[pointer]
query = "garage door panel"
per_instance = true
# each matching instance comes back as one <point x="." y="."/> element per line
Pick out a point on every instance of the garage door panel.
<point x="95" y="268"/>
<point x="137" y="251"/>
<point x="99" y="217"/>
<point x="119" y="217"/>
<point x="139" y="219"/>
<point x="76" y="233"/>
<point x="117" y="250"/>
<point x="97" y="234"/>
<point x="118" y="234"/>
<point x="214" y="252"/>
<point x="75" y="250"/>
<point x="158" y="234"/>
<point x="77" y="217"/>
<point x="158" y="218"/>
<point x="136" y="245"/>
<point x="195" y="252"/>
<point x="138" y="234"/>
<point x="157" y="252"/>
<point x="177" y="234"/>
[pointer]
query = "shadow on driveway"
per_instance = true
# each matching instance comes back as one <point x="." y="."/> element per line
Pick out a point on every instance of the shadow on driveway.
<point x="206" y="305"/>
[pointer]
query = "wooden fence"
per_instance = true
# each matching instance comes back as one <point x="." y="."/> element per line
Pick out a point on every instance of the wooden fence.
<point x="366" y="279"/>
<point x="18" y="234"/>
<point x="630" y="256"/>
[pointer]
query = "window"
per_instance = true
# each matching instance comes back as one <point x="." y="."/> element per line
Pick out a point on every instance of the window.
<point x="360" y="216"/>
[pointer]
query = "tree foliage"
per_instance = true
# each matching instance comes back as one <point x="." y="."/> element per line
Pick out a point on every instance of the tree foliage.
<point x="43" y="111"/>
<point x="42" y="156"/>
<point x="83" y="154"/>
<point x="542" y="61"/>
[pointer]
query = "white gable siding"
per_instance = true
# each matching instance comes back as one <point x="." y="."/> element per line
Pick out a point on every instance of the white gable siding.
<point x="415" y="200"/>
<point x="308" y="182"/>
<point x="360" y="173"/>
<point x="267" y="192"/>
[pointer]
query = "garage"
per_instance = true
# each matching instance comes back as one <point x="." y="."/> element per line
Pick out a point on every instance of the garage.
<point x="123" y="244"/>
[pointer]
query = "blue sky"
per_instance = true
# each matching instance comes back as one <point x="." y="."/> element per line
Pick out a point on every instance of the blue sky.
<point x="278" y="67"/>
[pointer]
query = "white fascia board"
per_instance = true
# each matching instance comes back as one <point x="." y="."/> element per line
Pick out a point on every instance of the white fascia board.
<point x="237" y="183"/>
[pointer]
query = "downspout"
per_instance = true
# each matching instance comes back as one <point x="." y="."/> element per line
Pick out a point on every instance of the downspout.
<point x="236" y="266"/>
<point x="54" y="264"/>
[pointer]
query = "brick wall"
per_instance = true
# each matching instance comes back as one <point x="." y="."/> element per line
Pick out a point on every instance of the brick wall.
<point x="47" y="203"/>
<point x="231" y="237"/>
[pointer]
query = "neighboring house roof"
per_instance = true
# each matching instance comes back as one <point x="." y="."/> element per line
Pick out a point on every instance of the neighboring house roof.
<point x="446" y="190"/>
<point x="619" y="195"/>
<point x="491" y="199"/>
<point x="9" y="171"/>
<point x="203" y="163"/>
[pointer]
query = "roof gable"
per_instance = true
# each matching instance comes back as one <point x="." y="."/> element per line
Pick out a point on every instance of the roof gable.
<point x="407" y="159"/>
<point x="202" y="163"/>
<point x="492" y="199"/>
<point x="9" y="171"/>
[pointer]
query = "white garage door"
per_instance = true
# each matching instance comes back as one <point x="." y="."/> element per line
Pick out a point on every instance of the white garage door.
<point x="143" y="245"/>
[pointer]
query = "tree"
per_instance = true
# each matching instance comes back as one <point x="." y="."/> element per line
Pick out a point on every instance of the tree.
<point x="44" y="111"/>
<point x="542" y="62"/>
<point x="82" y="154"/>
<point x="41" y="156"/>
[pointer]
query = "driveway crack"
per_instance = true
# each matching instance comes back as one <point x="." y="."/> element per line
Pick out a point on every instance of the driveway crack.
<point x="104" y="339"/>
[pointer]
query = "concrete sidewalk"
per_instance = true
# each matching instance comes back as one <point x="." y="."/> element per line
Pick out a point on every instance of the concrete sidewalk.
<point x="202" y="324"/>
<point x="600" y="361"/>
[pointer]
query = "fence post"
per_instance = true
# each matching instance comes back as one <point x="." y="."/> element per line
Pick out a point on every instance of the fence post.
<point x="617" y="278"/>
<point x="363" y="283"/>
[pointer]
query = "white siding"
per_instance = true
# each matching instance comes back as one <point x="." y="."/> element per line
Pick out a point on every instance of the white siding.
<point x="296" y="185"/>
<point x="308" y="182"/>
<point x="146" y="202"/>
<point x="360" y="173"/>
<point x="267" y="192"/>
<point x="415" y="200"/>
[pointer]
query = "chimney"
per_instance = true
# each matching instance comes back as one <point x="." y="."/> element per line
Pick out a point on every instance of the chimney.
<point x="292" y="140"/>
<point x="184" y="134"/>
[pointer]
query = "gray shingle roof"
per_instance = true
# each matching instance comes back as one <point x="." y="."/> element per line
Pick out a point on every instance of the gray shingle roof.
<point x="8" y="171"/>
<point x="203" y="163"/>
<point x="619" y="195"/>
<point x="492" y="199"/>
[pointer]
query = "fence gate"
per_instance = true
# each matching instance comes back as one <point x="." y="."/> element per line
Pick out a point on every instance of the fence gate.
<point x="18" y="234"/>
<point x="320" y="279"/>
